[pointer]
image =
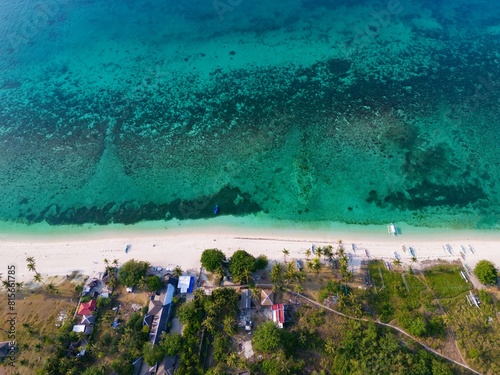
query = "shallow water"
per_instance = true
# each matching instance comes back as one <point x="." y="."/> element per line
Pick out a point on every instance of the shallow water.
<point x="359" y="112"/>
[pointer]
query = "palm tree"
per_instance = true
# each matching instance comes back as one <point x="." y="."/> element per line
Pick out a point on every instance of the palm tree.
<point x="106" y="262"/>
<point x="232" y="360"/>
<point x="341" y="300"/>
<point x="209" y="323"/>
<point x="330" y="347"/>
<point x="299" y="289"/>
<point x="103" y="368"/>
<point x="228" y="325"/>
<point x="328" y="252"/>
<point x="290" y="273"/>
<point x="19" y="285"/>
<point x="5" y="284"/>
<point x="300" y="276"/>
<point x="255" y="293"/>
<point x="285" y="253"/>
<point x="315" y="265"/>
<point x="246" y="274"/>
<point x="37" y="278"/>
<point x="308" y="253"/>
<point x="51" y="288"/>
<point x="276" y="273"/>
<point x="31" y="267"/>
<point x="177" y="271"/>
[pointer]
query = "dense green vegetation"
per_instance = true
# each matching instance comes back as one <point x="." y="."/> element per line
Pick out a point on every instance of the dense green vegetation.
<point x="486" y="272"/>
<point x="389" y="297"/>
<point x="242" y="265"/>
<point x="209" y="322"/>
<point x="212" y="260"/>
<point x="445" y="281"/>
<point x="477" y="331"/>
<point x="364" y="348"/>
<point x="133" y="272"/>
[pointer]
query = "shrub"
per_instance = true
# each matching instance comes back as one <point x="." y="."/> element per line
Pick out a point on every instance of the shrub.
<point x="211" y="260"/>
<point x="486" y="272"/>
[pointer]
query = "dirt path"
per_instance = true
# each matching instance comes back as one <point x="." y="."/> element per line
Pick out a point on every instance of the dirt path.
<point x="386" y="325"/>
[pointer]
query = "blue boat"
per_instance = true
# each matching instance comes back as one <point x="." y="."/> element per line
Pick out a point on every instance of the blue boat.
<point x="216" y="209"/>
<point x="128" y="248"/>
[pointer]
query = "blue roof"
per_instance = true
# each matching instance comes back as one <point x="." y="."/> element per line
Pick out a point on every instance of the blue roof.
<point x="191" y="284"/>
<point x="169" y="295"/>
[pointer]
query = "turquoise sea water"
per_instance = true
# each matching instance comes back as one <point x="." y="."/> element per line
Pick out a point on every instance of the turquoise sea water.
<point x="349" y="111"/>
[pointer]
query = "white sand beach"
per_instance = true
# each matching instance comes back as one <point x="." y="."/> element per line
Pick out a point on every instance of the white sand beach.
<point x="181" y="243"/>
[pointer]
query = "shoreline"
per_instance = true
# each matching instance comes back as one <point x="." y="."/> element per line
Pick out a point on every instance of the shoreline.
<point x="63" y="253"/>
<point x="10" y="231"/>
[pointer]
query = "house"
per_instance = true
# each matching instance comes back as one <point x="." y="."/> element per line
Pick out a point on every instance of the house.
<point x="167" y="366"/>
<point x="86" y="308"/>
<point x="88" y="319"/>
<point x="105" y="292"/>
<point x="160" y="310"/>
<point x="82" y="328"/>
<point x="266" y="297"/>
<point x="278" y="314"/>
<point x="245" y="299"/>
<point x="186" y="284"/>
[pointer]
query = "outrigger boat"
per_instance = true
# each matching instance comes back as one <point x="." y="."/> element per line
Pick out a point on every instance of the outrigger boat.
<point x="391" y="228"/>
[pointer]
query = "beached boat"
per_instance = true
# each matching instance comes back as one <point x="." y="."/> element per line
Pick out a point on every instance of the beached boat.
<point x="391" y="228"/>
<point x="449" y="249"/>
<point x="412" y="252"/>
<point x="396" y="256"/>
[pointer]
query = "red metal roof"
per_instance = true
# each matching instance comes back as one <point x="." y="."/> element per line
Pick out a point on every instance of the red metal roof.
<point x="278" y="313"/>
<point x="86" y="308"/>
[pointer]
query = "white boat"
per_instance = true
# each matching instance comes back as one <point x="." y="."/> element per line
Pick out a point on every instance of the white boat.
<point x="391" y="228"/>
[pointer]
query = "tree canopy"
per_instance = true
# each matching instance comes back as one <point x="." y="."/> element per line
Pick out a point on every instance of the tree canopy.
<point x="241" y="266"/>
<point x="154" y="283"/>
<point x="261" y="262"/>
<point x="152" y="354"/>
<point x="132" y="272"/>
<point x="171" y="343"/>
<point x="486" y="272"/>
<point x="211" y="260"/>
<point x="267" y="338"/>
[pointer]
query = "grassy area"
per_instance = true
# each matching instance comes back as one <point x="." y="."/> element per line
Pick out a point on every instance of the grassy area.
<point x="477" y="331"/>
<point x="39" y="317"/>
<point x="391" y="294"/>
<point x="327" y="342"/>
<point x="445" y="280"/>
